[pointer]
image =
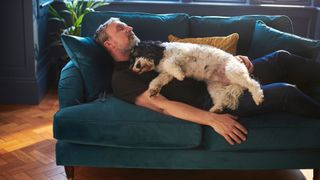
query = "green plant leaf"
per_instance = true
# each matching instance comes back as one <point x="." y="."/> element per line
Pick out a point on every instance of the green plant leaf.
<point x="75" y="4"/>
<point x="52" y="11"/>
<point x="89" y="3"/>
<point x="72" y="17"/>
<point x="56" y="15"/>
<point x="57" y="19"/>
<point x="65" y="12"/>
<point x="87" y="10"/>
<point x="82" y="4"/>
<point x="79" y="20"/>
<point x="99" y="4"/>
<point x="67" y="3"/>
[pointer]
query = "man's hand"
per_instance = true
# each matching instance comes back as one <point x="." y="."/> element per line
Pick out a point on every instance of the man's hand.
<point x="227" y="126"/>
<point x="246" y="61"/>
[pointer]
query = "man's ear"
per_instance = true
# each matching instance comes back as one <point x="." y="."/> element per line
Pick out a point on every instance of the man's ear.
<point x="107" y="44"/>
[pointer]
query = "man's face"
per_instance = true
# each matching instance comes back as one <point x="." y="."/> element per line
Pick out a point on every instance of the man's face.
<point x="121" y="37"/>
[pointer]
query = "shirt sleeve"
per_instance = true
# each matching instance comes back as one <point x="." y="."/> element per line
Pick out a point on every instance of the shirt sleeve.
<point x="127" y="85"/>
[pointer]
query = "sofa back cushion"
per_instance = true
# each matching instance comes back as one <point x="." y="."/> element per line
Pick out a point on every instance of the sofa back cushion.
<point x="266" y="40"/>
<point x="145" y="25"/>
<point x="203" y="26"/>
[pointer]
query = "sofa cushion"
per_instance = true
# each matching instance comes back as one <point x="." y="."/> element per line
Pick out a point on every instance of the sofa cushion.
<point x="146" y="26"/>
<point x="315" y="92"/>
<point x="267" y="40"/>
<point x="203" y="26"/>
<point x="94" y="63"/>
<point x="112" y="122"/>
<point x="70" y="88"/>
<point x="226" y="43"/>
<point x="276" y="131"/>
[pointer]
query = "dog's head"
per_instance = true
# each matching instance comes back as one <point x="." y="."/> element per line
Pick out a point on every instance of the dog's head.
<point x="146" y="56"/>
<point x="141" y="65"/>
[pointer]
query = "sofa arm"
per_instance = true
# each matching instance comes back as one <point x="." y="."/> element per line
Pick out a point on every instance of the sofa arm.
<point x="70" y="87"/>
<point x="315" y="92"/>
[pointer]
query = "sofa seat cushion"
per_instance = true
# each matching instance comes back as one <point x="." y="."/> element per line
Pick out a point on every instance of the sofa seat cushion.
<point x="146" y="26"/>
<point x="277" y="131"/>
<point x="204" y="26"/>
<point x="115" y="123"/>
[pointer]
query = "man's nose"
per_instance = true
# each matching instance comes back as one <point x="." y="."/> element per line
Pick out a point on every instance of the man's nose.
<point x="129" y="28"/>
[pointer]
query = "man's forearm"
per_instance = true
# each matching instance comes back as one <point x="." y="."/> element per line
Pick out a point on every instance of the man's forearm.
<point x="187" y="112"/>
<point x="176" y="109"/>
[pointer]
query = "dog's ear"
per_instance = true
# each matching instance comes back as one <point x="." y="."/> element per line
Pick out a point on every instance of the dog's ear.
<point x="131" y="61"/>
<point x="136" y="51"/>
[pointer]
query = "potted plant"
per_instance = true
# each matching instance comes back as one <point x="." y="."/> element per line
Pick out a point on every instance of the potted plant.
<point x="69" y="20"/>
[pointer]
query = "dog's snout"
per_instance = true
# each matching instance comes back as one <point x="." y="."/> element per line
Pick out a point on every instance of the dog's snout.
<point x="138" y="65"/>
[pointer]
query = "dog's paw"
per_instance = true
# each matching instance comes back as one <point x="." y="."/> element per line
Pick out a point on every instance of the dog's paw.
<point x="153" y="92"/>
<point x="258" y="98"/>
<point x="216" y="109"/>
<point x="180" y="77"/>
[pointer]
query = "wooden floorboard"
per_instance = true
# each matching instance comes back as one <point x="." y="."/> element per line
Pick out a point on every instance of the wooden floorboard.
<point x="27" y="151"/>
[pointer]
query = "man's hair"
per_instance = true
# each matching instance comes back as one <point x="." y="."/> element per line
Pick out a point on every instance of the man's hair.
<point x="101" y="35"/>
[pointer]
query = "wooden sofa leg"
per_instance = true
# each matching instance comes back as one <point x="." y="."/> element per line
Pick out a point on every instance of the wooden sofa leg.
<point x="316" y="174"/>
<point x="69" y="172"/>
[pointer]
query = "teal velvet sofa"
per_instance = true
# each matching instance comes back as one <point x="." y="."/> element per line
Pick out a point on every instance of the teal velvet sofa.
<point x="94" y="128"/>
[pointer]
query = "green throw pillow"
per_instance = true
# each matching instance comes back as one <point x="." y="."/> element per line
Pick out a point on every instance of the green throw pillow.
<point x="266" y="40"/>
<point x="94" y="63"/>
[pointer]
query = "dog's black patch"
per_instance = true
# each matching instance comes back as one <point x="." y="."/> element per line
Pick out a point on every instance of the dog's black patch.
<point x="205" y="67"/>
<point x="148" y="49"/>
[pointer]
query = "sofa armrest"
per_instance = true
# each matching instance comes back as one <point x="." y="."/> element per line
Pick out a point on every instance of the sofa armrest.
<point x="70" y="87"/>
<point x="315" y="92"/>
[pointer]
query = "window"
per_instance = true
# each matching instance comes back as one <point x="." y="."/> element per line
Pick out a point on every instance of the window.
<point x="267" y="2"/>
<point x="144" y="0"/>
<point x="221" y="1"/>
<point x="283" y="2"/>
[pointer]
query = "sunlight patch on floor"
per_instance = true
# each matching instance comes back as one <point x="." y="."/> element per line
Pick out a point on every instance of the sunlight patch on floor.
<point x="308" y="173"/>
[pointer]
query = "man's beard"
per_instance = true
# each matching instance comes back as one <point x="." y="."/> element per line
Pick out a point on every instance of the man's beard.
<point x="134" y="40"/>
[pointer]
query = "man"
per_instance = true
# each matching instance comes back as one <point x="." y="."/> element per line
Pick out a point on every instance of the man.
<point x="186" y="100"/>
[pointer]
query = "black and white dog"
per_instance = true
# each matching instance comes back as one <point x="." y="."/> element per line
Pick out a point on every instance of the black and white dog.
<point x="225" y="76"/>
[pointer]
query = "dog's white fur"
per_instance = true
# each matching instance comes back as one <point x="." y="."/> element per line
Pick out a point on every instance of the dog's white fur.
<point x="225" y="76"/>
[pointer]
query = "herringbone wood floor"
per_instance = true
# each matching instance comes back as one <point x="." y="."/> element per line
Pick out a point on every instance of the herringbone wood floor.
<point x="27" y="152"/>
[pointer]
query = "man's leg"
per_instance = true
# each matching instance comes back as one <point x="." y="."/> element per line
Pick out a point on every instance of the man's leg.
<point x="279" y="97"/>
<point x="282" y="66"/>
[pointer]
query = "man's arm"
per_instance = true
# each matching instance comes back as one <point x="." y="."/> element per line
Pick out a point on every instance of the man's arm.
<point x="246" y="61"/>
<point x="224" y="124"/>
